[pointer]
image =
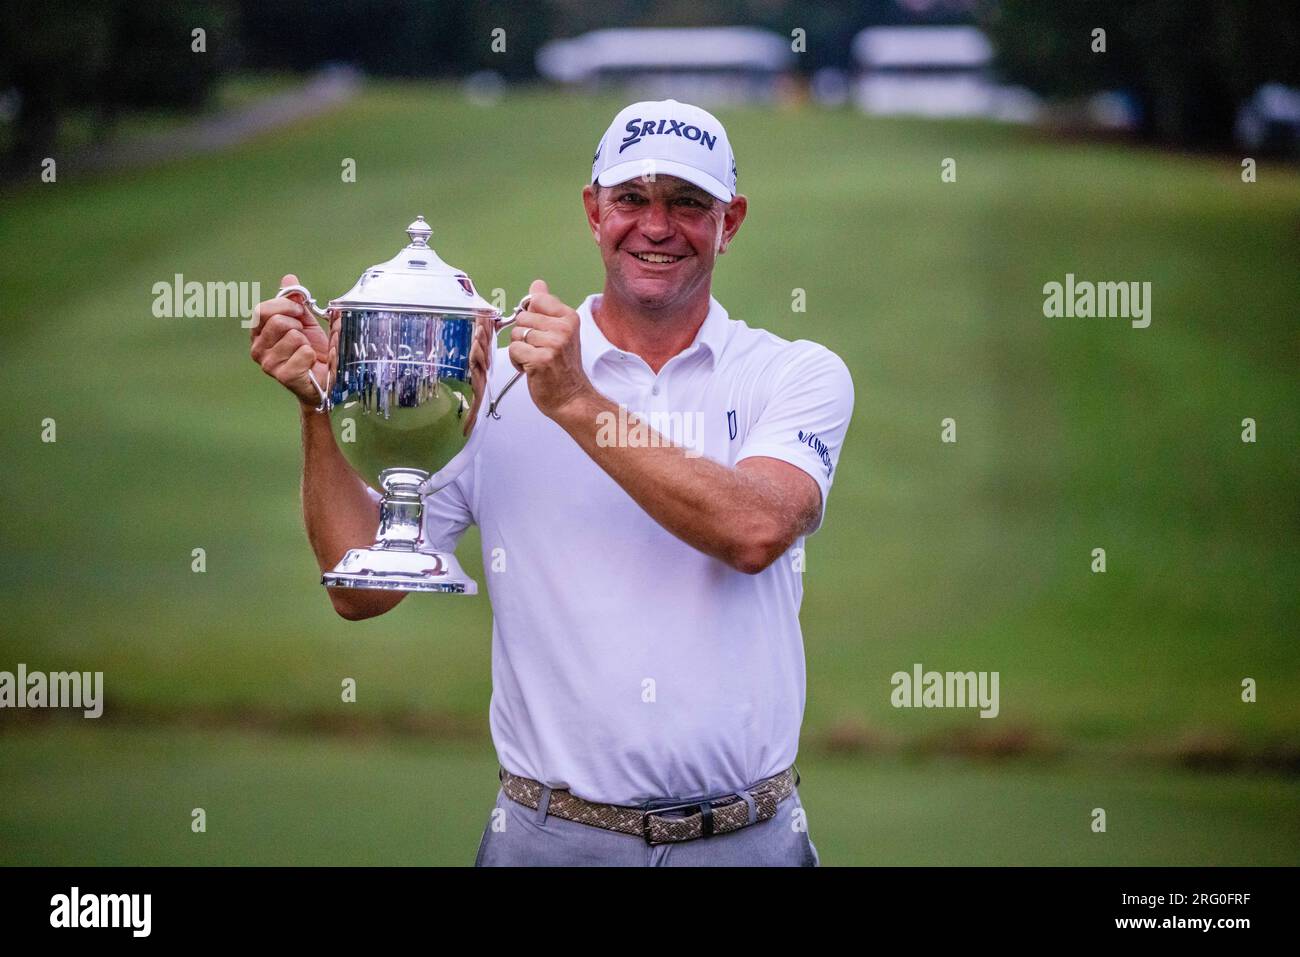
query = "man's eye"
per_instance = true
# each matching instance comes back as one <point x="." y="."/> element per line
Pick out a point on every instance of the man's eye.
<point x="629" y="198"/>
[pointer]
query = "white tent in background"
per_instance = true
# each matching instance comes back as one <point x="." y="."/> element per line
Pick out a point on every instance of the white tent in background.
<point x="908" y="48"/>
<point x="936" y="72"/>
<point x="697" y="64"/>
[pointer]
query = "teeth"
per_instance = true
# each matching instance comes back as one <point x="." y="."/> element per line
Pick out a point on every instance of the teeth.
<point x="656" y="257"/>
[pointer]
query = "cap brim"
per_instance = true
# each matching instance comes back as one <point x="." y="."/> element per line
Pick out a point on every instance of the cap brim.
<point x="635" y="169"/>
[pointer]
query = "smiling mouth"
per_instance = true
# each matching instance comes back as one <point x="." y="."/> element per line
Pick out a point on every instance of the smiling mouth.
<point x="656" y="258"/>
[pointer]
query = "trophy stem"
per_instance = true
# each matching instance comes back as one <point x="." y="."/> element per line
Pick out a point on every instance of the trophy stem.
<point x="401" y="511"/>
<point x="395" y="561"/>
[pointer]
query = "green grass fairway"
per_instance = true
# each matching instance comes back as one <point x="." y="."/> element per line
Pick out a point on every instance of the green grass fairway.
<point x="125" y="796"/>
<point x="1072" y="434"/>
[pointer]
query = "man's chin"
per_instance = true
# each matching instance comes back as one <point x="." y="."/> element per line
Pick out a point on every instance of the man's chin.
<point x="651" y="293"/>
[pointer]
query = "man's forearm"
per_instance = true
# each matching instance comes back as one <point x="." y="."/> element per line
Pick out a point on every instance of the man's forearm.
<point x="339" y="514"/>
<point x="736" y="516"/>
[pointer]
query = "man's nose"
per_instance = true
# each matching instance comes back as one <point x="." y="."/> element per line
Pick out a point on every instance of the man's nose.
<point x="655" y="223"/>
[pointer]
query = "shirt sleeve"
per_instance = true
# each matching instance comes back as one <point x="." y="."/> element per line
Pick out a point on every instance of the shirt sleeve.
<point x="446" y="516"/>
<point x="805" y="416"/>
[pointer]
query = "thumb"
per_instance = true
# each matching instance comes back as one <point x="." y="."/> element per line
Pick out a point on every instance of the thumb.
<point x="289" y="280"/>
<point x="538" y="288"/>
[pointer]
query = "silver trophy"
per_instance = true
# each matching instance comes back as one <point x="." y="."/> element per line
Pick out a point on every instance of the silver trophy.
<point x="405" y="405"/>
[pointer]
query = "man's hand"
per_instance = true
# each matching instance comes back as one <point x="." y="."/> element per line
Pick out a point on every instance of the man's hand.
<point x="480" y="360"/>
<point x="552" y="355"/>
<point x="288" y="342"/>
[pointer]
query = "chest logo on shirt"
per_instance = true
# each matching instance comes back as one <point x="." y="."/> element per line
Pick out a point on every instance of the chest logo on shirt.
<point x="817" y="445"/>
<point x="731" y="424"/>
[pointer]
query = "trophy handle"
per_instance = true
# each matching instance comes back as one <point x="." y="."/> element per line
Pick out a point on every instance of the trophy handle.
<point x="524" y="303"/>
<point x="303" y="295"/>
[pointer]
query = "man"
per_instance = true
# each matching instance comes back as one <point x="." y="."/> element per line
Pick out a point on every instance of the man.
<point x="647" y="661"/>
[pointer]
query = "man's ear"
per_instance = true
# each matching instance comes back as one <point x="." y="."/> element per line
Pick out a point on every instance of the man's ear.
<point x="592" y="207"/>
<point x="731" y="220"/>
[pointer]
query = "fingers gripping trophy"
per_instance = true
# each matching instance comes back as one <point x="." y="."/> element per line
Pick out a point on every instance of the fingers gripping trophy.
<point x="410" y="351"/>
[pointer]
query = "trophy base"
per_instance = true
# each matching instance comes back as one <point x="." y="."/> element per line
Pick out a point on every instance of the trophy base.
<point x="400" y="570"/>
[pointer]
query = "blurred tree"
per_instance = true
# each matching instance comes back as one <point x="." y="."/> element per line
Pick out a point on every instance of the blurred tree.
<point x="104" y="55"/>
<point x="1190" y="63"/>
<point x="396" y="37"/>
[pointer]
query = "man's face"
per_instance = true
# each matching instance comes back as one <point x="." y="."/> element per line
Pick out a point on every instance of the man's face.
<point x="659" y="238"/>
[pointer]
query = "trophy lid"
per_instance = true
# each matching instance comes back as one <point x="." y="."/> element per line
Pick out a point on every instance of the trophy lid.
<point x="415" y="280"/>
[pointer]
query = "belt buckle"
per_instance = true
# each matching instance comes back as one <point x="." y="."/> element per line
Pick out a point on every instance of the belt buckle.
<point x="648" y="814"/>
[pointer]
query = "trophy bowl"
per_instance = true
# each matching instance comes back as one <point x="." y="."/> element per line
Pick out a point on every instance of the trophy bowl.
<point x="405" y="403"/>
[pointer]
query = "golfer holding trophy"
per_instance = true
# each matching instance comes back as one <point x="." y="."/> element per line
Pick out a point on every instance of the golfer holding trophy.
<point x="647" y="659"/>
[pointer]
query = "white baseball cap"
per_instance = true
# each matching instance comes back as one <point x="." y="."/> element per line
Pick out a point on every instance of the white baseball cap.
<point x="669" y="138"/>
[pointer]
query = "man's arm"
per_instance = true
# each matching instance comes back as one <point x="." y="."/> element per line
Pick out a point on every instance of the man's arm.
<point x="746" y="516"/>
<point x="337" y="507"/>
<point x="340" y="514"/>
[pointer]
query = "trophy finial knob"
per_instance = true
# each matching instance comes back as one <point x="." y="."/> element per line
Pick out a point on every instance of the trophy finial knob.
<point x="419" y="232"/>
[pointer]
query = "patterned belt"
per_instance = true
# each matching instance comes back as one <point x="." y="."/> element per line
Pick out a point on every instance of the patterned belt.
<point x="716" y="816"/>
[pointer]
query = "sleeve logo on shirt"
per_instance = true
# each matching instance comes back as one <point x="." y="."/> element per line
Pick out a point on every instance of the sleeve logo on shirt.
<point x="731" y="424"/>
<point x="817" y="445"/>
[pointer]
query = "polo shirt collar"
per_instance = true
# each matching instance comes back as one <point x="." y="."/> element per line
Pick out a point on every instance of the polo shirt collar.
<point x="710" y="339"/>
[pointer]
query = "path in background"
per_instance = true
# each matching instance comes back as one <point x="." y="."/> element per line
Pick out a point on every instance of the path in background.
<point x="326" y="90"/>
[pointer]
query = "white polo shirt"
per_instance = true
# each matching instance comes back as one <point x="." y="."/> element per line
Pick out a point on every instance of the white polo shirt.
<point x="627" y="665"/>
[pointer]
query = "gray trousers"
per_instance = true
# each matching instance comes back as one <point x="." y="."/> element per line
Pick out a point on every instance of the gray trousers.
<point x="519" y="836"/>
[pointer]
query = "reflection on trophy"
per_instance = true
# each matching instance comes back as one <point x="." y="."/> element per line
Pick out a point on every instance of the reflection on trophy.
<point x="405" y="403"/>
